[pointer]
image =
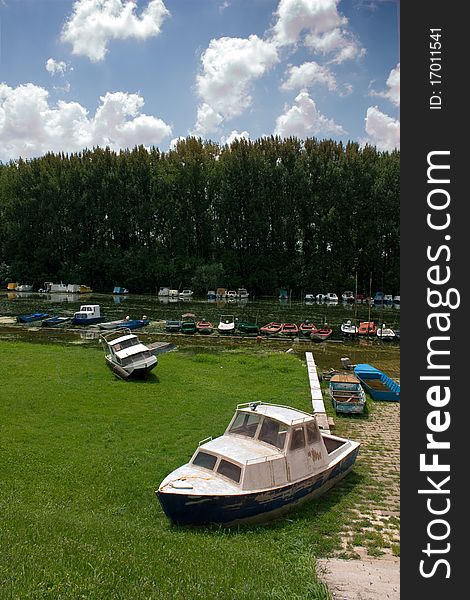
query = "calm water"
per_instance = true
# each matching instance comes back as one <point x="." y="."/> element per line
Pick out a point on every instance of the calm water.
<point x="384" y="355"/>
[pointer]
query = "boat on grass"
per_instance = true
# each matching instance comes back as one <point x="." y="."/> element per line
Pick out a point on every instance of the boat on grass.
<point x="31" y="317"/>
<point x="205" y="327"/>
<point x="271" y="328"/>
<point x="376" y="383"/>
<point x="226" y="324"/>
<point x="347" y="394"/>
<point x="53" y="321"/>
<point x="321" y="334"/>
<point x="270" y="459"/>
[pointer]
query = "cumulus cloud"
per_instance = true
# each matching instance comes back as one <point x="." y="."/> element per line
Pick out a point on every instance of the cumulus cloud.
<point x="229" y="67"/>
<point x="393" y="84"/>
<point x="94" y="23"/>
<point x="56" y="67"/>
<point x="308" y="74"/>
<point x="30" y="126"/>
<point x="303" y="119"/>
<point x="244" y="135"/>
<point x="383" y="131"/>
<point x="319" y="25"/>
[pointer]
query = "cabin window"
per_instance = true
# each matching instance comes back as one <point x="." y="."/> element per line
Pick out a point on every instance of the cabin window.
<point x="274" y="433"/>
<point x="203" y="459"/>
<point x="230" y="470"/>
<point x="313" y="433"/>
<point x="245" y="424"/>
<point x="135" y="357"/>
<point x="298" y="439"/>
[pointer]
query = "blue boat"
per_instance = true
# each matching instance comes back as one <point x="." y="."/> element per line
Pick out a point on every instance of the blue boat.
<point x="89" y="314"/>
<point x="347" y="394"/>
<point x="379" y="298"/>
<point x="53" y="321"/>
<point x="377" y="384"/>
<point x="172" y="325"/>
<point x="270" y="459"/>
<point x="120" y="290"/>
<point x="31" y="317"/>
<point x="124" y="323"/>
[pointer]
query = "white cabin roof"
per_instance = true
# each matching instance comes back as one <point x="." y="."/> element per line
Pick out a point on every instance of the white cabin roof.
<point x="131" y="350"/>
<point x="241" y="449"/>
<point x="121" y="339"/>
<point x="284" y="414"/>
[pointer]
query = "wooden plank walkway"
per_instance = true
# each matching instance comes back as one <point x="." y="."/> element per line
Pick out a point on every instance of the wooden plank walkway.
<point x="317" y="397"/>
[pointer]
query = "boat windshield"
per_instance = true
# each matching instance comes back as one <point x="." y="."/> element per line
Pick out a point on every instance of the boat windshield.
<point x="135" y="357"/>
<point x="245" y="424"/>
<point x="274" y="433"/>
<point x="133" y="341"/>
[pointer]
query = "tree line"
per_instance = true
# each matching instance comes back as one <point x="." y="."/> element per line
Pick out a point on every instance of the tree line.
<point x="265" y="214"/>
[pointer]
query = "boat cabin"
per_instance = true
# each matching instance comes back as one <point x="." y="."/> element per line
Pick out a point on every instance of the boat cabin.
<point x="88" y="312"/>
<point x="267" y="445"/>
<point x="128" y="349"/>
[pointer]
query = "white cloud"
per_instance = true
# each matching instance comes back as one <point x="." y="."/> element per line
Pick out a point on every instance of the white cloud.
<point x="322" y="27"/>
<point x="308" y="74"/>
<point x="244" y="135"/>
<point x="303" y="119"/>
<point x="383" y="131"/>
<point x="56" y="67"/>
<point x="393" y="84"/>
<point x="94" y="23"/>
<point x="229" y="67"/>
<point x="30" y="126"/>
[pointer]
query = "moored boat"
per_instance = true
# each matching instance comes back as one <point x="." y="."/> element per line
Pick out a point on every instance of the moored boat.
<point x="379" y="298"/>
<point x="127" y="323"/>
<point x="88" y="314"/>
<point x="347" y="296"/>
<point x="306" y="328"/>
<point x="270" y="459"/>
<point x="120" y="290"/>
<point x="347" y="394"/>
<point x="321" y="334"/>
<point x="376" y="383"/>
<point x="385" y="333"/>
<point x="226" y="324"/>
<point x="31" y="317"/>
<point x="309" y="298"/>
<point x="231" y="295"/>
<point x="242" y="293"/>
<point x="188" y="323"/>
<point x="186" y="294"/>
<point x="283" y="295"/>
<point x="367" y="328"/>
<point x="24" y="287"/>
<point x="211" y="295"/>
<point x="331" y="297"/>
<point x="271" y="328"/>
<point x="349" y="328"/>
<point x="172" y="325"/>
<point x="247" y="327"/>
<point x="205" y="327"/>
<point x="289" y="329"/>
<point x="53" y="321"/>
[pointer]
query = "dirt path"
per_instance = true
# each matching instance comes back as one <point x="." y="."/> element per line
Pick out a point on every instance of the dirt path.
<point x="367" y="565"/>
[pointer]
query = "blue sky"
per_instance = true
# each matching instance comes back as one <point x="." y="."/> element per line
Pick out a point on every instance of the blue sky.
<point x="76" y="73"/>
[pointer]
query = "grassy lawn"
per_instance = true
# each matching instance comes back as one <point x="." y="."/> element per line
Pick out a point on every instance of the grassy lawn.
<point x="82" y="452"/>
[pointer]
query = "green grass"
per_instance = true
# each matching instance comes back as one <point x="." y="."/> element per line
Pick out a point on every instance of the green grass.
<point x="82" y="452"/>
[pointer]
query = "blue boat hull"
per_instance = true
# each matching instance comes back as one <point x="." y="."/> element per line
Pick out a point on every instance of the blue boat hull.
<point x="86" y="322"/>
<point x="32" y="317"/>
<point x="188" y="509"/>
<point x="371" y="379"/>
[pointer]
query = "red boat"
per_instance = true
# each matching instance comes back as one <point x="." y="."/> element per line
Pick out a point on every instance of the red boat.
<point x="204" y="327"/>
<point x="306" y="328"/>
<point x="322" y="334"/>
<point x="271" y="328"/>
<point x="289" y="329"/>
<point x="367" y="328"/>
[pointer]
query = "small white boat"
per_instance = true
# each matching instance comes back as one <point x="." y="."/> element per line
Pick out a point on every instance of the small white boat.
<point x="53" y="288"/>
<point x="186" y="294"/>
<point x="330" y="297"/>
<point x="173" y="293"/>
<point x="388" y="299"/>
<point x="24" y="288"/>
<point x="231" y="295"/>
<point x="270" y="459"/>
<point x="321" y="297"/>
<point x="164" y="292"/>
<point x="88" y="315"/>
<point x="226" y="324"/>
<point x="242" y="293"/>
<point x="347" y="296"/>
<point x="309" y="298"/>
<point x="396" y="299"/>
<point x="385" y="333"/>
<point x="127" y="356"/>
<point x="349" y="328"/>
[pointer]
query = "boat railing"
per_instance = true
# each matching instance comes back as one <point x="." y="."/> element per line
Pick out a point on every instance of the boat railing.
<point x="108" y="337"/>
<point x="255" y="404"/>
<point x="207" y="439"/>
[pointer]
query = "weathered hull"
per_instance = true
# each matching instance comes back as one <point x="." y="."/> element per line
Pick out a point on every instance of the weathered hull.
<point x="31" y="318"/>
<point x="131" y="373"/>
<point x="188" y="509"/>
<point x="377" y="384"/>
<point x="349" y="408"/>
<point x="85" y="322"/>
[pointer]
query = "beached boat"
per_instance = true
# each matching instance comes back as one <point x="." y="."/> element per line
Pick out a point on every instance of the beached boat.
<point x="205" y="327"/>
<point x="172" y="325"/>
<point x="188" y="323"/>
<point x="226" y="324"/>
<point x="367" y="328"/>
<point x="346" y="393"/>
<point x="271" y="328"/>
<point x="127" y="323"/>
<point x="376" y="383"/>
<point x="270" y="459"/>
<point x="385" y="333"/>
<point x="31" y="317"/>
<point x="88" y="314"/>
<point x="306" y="328"/>
<point x="127" y="356"/>
<point x="247" y="327"/>
<point x="289" y="329"/>
<point x="53" y="321"/>
<point x="349" y="328"/>
<point x="321" y="334"/>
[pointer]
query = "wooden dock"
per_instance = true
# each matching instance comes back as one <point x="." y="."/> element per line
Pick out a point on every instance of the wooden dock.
<point x="324" y="422"/>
